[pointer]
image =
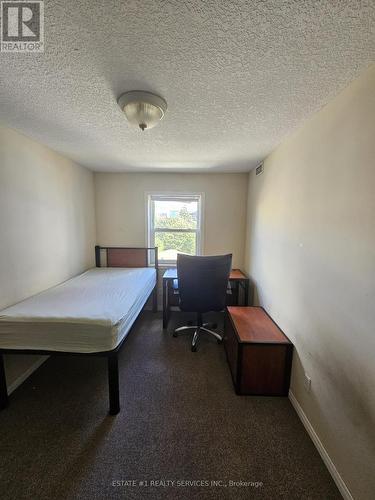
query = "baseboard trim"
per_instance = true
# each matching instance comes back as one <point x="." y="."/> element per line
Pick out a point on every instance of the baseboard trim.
<point x="344" y="490"/>
<point x="13" y="386"/>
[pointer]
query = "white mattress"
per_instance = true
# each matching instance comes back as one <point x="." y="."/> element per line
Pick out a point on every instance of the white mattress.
<point x="92" y="312"/>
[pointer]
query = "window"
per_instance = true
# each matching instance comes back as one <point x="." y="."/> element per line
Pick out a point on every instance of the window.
<point x="174" y="224"/>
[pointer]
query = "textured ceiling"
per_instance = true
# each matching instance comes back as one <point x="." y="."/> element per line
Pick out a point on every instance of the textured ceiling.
<point x="238" y="77"/>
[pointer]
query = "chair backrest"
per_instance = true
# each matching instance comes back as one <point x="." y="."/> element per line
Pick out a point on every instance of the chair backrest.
<point x="203" y="281"/>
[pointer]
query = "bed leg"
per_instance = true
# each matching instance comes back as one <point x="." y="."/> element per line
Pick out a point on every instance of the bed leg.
<point x="155" y="299"/>
<point x="3" y="385"/>
<point x="113" y="384"/>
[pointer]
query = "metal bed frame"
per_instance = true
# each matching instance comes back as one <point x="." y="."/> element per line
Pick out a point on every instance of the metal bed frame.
<point x="115" y="257"/>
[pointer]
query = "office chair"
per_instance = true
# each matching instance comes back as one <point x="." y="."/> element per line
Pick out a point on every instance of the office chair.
<point x="202" y="284"/>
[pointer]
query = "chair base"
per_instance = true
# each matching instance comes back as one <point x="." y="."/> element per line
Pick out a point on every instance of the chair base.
<point x="198" y="329"/>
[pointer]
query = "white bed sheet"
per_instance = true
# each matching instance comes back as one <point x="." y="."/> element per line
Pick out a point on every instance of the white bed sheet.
<point x="91" y="312"/>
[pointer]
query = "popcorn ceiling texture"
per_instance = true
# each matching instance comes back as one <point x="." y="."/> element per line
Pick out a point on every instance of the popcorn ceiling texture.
<point x="238" y="77"/>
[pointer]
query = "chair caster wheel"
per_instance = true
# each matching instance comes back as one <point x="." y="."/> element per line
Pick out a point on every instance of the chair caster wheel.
<point x="220" y="341"/>
<point x="174" y="334"/>
<point x="193" y="348"/>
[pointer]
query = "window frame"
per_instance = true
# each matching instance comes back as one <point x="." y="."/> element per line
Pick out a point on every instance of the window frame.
<point x="173" y="196"/>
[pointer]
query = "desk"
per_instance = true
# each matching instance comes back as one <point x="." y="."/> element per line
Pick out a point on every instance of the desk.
<point x="238" y="282"/>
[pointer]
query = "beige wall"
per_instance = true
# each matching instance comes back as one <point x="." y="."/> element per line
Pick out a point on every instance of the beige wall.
<point x="121" y="214"/>
<point x="311" y="252"/>
<point x="47" y="223"/>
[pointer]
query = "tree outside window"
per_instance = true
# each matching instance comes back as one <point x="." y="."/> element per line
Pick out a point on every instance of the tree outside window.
<point x="174" y="224"/>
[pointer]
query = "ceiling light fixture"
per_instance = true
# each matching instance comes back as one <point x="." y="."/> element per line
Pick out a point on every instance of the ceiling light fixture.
<point x="142" y="109"/>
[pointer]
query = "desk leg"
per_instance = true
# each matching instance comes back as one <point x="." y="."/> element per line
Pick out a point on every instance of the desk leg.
<point x="113" y="385"/>
<point x="246" y="293"/>
<point x="165" y="303"/>
<point x="3" y="385"/>
<point x="237" y="293"/>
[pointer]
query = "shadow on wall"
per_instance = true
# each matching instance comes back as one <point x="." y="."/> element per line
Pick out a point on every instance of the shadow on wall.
<point x="253" y="293"/>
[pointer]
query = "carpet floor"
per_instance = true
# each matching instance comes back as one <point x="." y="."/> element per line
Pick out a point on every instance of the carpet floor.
<point x="182" y="432"/>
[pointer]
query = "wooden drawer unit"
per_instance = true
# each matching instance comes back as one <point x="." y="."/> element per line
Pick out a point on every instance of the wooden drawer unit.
<point x="258" y="353"/>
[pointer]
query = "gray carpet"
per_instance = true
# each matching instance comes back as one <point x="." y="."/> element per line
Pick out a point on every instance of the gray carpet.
<point x="180" y="421"/>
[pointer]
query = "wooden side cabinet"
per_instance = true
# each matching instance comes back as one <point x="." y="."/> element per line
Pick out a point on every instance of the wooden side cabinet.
<point x="259" y="354"/>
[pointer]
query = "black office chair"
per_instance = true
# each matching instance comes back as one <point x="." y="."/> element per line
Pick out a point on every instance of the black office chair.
<point x="202" y="285"/>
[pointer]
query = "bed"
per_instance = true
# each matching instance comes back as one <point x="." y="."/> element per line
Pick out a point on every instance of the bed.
<point x="90" y="314"/>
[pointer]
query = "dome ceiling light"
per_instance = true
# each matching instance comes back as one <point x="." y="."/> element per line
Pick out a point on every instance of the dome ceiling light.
<point x="142" y="109"/>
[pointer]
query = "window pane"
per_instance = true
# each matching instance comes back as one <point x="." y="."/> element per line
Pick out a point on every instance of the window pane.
<point x="175" y="214"/>
<point x="169" y="244"/>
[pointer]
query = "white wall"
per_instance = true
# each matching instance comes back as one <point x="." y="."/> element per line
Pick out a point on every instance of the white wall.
<point x="120" y="208"/>
<point x="47" y="223"/>
<point x="311" y="252"/>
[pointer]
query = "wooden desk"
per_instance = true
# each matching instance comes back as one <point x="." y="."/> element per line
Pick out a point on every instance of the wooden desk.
<point x="237" y="279"/>
<point x="259" y="354"/>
